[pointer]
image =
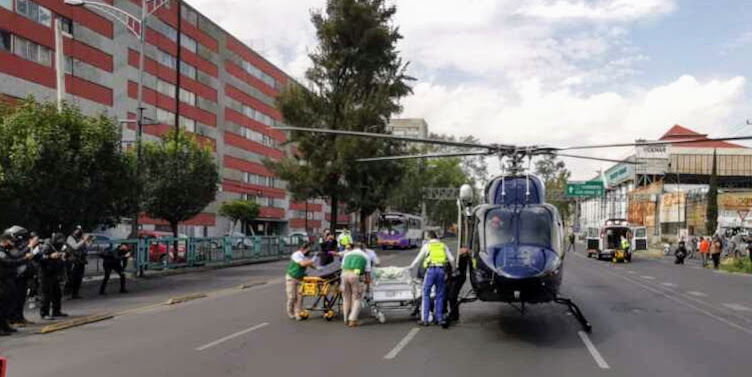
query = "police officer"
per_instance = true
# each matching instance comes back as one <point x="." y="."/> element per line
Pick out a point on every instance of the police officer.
<point x="11" y="240"/>
<point x="115" y="259"/>
<point x="76" y="265"/>
<point x="24" y="273"/>
<point x="436" y="259"/>
<point x="52" y="266"/>
<point x="456" y="283"/>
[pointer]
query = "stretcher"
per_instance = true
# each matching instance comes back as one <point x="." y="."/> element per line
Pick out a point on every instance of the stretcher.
<point x="393" y="289"/>
<point x="322" y="289"/>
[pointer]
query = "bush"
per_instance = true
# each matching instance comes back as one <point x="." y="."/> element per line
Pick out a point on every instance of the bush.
<point x="742" y="265"/>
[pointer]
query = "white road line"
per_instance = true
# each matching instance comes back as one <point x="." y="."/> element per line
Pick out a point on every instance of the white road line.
<point x="646" y="277"/>
<point x="402" y="344"/>
<point x="672" y="285"/>
<point x="232" y="336"/>
<point x="697" y="294"/>
<point x="593" y="351"/>
<point x="631" y="272"/>
<point x="738" y="307"/>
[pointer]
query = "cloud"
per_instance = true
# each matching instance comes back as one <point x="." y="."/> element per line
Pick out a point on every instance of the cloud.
<point x="531" y="115"/>
<point x="614" y="10"/>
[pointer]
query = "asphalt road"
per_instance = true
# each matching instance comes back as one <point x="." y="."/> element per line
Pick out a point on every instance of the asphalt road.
<point x="650" y="318"/>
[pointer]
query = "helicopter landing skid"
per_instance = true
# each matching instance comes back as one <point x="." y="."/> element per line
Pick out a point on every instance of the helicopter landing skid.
<point x="575" y="310"/>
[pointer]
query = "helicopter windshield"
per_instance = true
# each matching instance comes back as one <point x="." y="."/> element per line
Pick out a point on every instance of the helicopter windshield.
<point x="529" y="226"/>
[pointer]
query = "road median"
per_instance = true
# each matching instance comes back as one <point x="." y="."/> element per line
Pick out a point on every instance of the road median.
<point x="185" y="298"/>
<point x="75" y="322"/>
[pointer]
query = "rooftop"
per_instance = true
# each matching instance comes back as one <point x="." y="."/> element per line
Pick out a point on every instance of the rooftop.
<point x="678" y="132"/>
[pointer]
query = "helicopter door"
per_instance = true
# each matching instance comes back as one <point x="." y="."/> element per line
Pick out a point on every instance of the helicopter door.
<point x="640" y="238"/>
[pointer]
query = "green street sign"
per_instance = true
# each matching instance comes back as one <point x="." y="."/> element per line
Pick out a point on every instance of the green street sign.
<point x="589" y="189"/>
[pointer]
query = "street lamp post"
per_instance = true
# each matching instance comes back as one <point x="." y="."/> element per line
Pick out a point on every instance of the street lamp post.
<point x="135" y="25"/>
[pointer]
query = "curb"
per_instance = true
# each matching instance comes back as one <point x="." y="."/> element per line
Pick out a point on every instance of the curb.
<point x="75" y="323"/>
<point x="251" y="284"/>
<point x="186" y="298"/>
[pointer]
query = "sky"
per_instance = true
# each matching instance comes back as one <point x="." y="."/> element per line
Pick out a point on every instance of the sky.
<point x="545" y="72"/>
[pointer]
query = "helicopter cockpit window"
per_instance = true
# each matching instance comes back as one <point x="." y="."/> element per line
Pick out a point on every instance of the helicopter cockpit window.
<point x="535" y="226"/>
<point x="500" y="227"/>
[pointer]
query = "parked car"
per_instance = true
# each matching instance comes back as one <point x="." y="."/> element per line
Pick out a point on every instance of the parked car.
<point x="158" y="250"/>
<point x="297" y="238"/>
<point x="240" y="240"/>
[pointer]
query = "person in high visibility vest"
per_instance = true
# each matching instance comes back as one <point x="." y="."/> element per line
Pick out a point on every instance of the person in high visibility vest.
<point x="436" y="259"/>
<point x="356" y="264"/>
<point x="296" y="271"/>
<point x="344" y="239"/>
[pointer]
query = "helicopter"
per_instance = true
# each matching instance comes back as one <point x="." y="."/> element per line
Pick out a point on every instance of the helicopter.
<point x="515" y="238"/>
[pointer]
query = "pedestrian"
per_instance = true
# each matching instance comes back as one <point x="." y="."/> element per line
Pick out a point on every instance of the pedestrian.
<point x="328" y="250"/>
<point x="51" y="260"/>
<point x="572" y="239"/>
<point x="715" y="252"/>
<point x="704" y="251"/>
<point x="680" y="253"/>
<point x="115" y="259"/>
<point x="436" y="258"/>
<point x="344" y="239"/>
<point x="692" y="247"/>
<point x="372" y="256"/>
<point x="76" y="265"/>
<point x="11" y="240"/>
<point x="356" y="267"/>
<point x="296" y="271"/>
<point x="25" y="272"/>
<point x="455" y="284"/>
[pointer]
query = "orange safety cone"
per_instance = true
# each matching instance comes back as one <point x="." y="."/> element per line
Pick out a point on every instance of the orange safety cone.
<point x="3" y="366"/>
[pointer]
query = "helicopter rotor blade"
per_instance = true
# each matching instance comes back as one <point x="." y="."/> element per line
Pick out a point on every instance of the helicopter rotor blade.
<point x="429" y="155"/>
<point x="660" y="142"/>
<point x="398" y="138"/>
<point x="598" y="159"/>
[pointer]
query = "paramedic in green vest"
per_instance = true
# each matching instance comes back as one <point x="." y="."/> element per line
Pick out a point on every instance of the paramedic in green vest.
<point x="356" y="266"/>
<point x="436" y="258"/>
<point x="296" y="270"/>
<point x="344" y="239"/>
<point x="626" y="247"/>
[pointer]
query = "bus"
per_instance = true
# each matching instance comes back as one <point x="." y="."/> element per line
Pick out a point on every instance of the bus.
<point x="400" y="230"/>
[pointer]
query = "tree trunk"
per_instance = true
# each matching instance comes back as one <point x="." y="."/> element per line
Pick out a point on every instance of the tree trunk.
<point x="174" y="226"/>
<point x="335" y="205"/>
<point x="363" y="231"/>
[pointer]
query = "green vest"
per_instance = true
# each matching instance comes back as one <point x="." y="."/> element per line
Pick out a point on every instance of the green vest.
<point x="345" y="240"/>
<point x="355" y="260"/>
<point x="295" y="271"/>
<point x="625" y="244"/>
<point x="436" y="254"/>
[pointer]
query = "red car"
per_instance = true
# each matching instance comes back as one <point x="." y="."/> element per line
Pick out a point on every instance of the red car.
<point x="158" y="249"/>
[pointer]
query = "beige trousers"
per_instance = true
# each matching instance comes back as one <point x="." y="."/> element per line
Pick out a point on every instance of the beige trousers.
<point x="294" y="303"/>
<point x="352" y="292"/>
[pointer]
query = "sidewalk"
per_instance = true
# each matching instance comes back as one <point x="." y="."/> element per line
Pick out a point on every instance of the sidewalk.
<point x="155" y="289"/>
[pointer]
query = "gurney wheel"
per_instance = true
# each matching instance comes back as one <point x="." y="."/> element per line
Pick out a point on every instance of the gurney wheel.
<point x="329" y="315"/>
<point x="304" y="314"/>
<point x="381" y="317"/>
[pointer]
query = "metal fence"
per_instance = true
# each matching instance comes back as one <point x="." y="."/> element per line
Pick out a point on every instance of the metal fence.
<point x="172" y="253"/>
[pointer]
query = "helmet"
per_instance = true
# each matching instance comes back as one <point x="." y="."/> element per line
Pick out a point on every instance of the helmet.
<point x="15" y="234"/>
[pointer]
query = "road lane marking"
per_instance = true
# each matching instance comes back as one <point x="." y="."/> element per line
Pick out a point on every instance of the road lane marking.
<point x="672" y="285"/>
<point x="646" y="277"/>
<point x="689" y="305"/>
<point x="593" y="351"/>
<point x="232" y="336"/>
<point x="631" y="272"/>
<point x="738" y="307"/>
<point x="697" y="294"/>
<point x="402" y="344"/>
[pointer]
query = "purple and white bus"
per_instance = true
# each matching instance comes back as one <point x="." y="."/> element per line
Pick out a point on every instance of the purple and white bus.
<point x="399" y="230"/>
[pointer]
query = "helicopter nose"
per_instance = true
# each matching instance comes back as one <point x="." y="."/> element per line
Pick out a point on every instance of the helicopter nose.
<point x="523" y="261"/>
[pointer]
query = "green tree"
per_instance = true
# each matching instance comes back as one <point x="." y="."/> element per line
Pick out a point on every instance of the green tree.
<point x="555" y="176"/>
<point x="180" y="178"/>
<point x="355" y="83"/>
<point x="61" y="168"/>
<point x="244" y="211"/>
<point x="711" y="214"/>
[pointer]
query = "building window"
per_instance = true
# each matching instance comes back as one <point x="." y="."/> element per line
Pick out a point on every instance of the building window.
<point x="5" y="38"/>
<point x="189" y="15"/>
<point x="34" y="12"/>
<point x="7" y="4"/>
<point x="68" y="65"/>
<point x="187" y="70"/>
<point x="165" y="117"/>
<point x="32" y="51"/>
<point x="188" y="97"/>
<point x="66" y="24"/>
<point x="188" y="42"/>
<point x="166" y="88"/>
<point x="188" y="124"/>
<point x="166" y="30"/>
<point x="166" y="59"/>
